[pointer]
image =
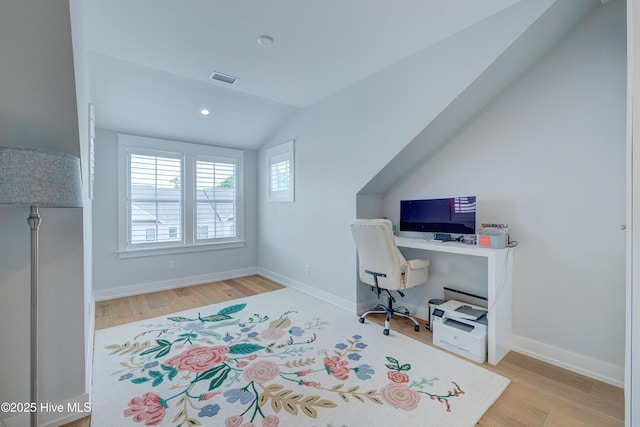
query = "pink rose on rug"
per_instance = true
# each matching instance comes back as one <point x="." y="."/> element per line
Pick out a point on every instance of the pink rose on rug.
<point x="270" y="421"/>
<point x="272" y="334"/>
<point x="400" y="396"/>
<point x="337" y="367"/>
<point x="233" y="421"/>
<point x="198" y="359"/>
<point x="146" y="408"/>
<point x="261" y="371"/>
<point x="398" y="377"/>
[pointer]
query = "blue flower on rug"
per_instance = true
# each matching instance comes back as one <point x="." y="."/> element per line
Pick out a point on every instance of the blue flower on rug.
<point x="209" y="410"/>
<point x="364" y="372"/>
<point x="256" y="370"/>
<point x="238" y="394"/>
<point x="296" y="331"/>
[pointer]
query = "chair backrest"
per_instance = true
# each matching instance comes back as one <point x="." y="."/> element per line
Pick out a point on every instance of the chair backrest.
<point x="377" y="251"/>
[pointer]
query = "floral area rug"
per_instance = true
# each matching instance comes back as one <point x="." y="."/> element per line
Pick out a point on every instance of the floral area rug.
<point x="281" y="358"/>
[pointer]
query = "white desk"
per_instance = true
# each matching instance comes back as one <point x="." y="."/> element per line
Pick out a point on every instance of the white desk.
<point x="499" y="283"/>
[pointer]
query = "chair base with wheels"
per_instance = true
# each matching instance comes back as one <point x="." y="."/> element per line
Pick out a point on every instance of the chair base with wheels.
<point x="389" y="309"/>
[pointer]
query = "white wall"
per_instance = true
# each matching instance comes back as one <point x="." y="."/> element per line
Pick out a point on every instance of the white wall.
<point x="38" y="110"/>
<point x="344" y="140"/>
<point x="116" y="277"/>
<point x="632" y="359"/>
<point x="555" y="136"/>
<point x="548" y="158"/>
<point x="82" y="99"/>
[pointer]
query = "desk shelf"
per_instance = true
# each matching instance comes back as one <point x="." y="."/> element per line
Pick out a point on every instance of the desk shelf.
<point x="499" y="288"/>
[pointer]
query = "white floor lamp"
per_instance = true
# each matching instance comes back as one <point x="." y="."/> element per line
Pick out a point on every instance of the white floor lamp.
<point x="38" y="179"/>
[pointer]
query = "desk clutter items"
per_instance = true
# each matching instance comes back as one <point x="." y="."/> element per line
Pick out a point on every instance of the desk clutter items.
<point x="461" y="328"/>
<point x="493" y="236"/>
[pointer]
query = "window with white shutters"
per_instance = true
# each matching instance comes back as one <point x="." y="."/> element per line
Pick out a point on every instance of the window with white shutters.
<point x="178" y="197"/>
<point x="280" y="166"/>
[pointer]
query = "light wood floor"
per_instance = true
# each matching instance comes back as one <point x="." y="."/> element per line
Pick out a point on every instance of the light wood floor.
<point x="539" y="394"/>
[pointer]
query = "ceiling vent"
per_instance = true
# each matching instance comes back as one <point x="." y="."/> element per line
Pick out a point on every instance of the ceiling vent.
<point x="223" y="78"/>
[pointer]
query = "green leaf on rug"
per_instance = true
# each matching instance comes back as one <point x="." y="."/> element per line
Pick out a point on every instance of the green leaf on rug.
<point x="244" y="348"/>
<point x="217" y="374"/>
<point x="180" y="319"/>
<point x="219" y="380"/>
<point x="186" y="337"/>
<point x="395" y="365"/>
<point x="163" y="352"/>
<point x="209" y="373"/>
<point x="213" y="334"/>
<point x="163" y="348"/>
<point x="172" y="372"/>
<point x="214" y="318"/>
<point x="233" y="309"/>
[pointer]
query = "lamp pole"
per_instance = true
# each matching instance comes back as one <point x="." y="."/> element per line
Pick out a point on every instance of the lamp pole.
<point x="34" y="225"/>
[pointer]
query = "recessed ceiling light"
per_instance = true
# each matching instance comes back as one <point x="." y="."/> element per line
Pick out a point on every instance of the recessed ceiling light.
<point x="205" y="111"/>
<point x="265" y="40"/>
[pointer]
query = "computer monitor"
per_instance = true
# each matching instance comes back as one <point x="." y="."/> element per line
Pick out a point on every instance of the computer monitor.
<point x="453" y="215"/>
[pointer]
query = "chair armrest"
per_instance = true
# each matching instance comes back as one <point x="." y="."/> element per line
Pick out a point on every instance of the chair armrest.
<point x="415" y="264"/>
<point x="416" y="272"/>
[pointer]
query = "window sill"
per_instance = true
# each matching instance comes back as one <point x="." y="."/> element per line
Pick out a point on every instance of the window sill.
<point x="144" y="252"/>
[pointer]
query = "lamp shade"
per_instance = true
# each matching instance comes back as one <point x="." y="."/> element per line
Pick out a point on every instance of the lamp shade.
<point x="46" y="179"/>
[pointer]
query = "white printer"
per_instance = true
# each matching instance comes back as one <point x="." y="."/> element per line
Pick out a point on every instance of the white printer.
<point x="461" y="328"/>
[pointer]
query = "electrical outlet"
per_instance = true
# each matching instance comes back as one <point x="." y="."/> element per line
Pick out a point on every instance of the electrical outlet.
<point x="307" y="269"/>
<point x="172" y="265"/>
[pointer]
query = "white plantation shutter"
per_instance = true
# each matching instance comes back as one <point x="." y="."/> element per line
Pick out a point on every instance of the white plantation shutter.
<point x="216" y="212"/>
<point x="155" y="198"/>
<point x="177" y="197"/>
<point x="280" y="164"/>
<point x="280" y="173"/>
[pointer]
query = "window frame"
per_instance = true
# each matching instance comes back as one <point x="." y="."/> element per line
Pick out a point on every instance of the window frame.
<point x="275" y="155"/>
<point x="130" y="144"/>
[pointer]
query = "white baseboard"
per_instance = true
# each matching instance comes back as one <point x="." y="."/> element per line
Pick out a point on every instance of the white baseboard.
<point x="587" y="366"/>
<point x="59" y="413"/>
<point x="88" y="351"/>
<point x="164" y="285"/>
<point x="310" y="290"/>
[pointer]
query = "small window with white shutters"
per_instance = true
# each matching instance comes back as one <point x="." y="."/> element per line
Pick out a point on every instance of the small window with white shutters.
<point x="280" y="167"/>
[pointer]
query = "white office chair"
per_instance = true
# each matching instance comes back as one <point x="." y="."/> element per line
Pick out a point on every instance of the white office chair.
<point x="382" y="265"/>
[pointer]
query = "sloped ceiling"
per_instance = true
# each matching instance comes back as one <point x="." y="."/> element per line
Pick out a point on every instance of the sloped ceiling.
<point x="150" y="60"/>
<point x="525" y="51"/>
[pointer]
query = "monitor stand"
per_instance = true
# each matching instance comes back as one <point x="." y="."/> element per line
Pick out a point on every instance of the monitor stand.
<point x="442" y="237"/>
